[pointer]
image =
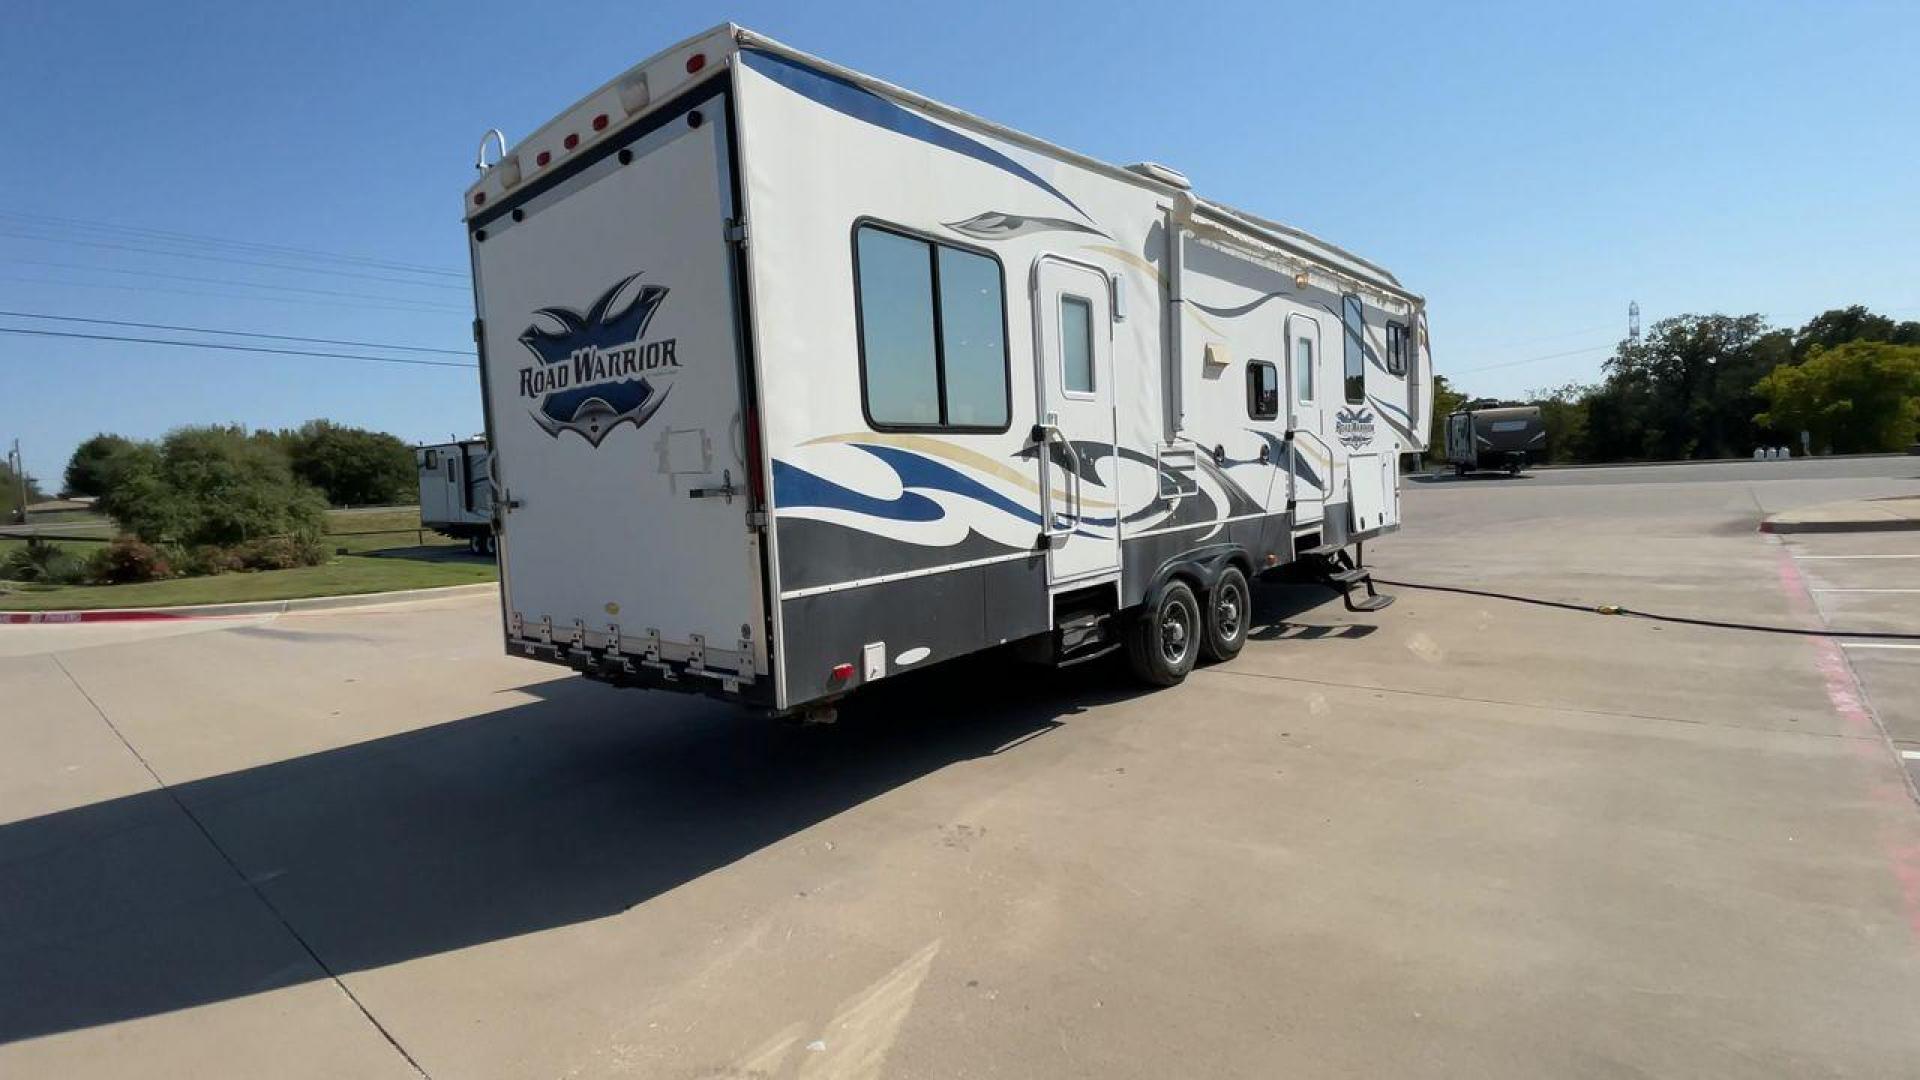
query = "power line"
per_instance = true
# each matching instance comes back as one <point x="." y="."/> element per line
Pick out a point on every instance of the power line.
<point x="214" y="241"/>
<point x="360" y="305"/>
<point x="234" y="348"/>
<point x="235" y="333"/>
<point x="1529" y="360"/>
<point x="169" y="276"/>
<point x="235" y="261"/>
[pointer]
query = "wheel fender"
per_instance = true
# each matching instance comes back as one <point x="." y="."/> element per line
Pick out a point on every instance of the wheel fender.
<point x="1199" y="568"/>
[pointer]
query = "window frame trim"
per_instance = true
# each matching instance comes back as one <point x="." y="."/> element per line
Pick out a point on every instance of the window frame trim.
<point x="1278" y="393"/>
<point x="934" y="243"/>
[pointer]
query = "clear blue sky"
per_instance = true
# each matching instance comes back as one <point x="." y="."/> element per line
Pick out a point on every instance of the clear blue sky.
<point x="1529" y="170"/>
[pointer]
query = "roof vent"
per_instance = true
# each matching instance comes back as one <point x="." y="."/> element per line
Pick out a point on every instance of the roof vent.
<point x="1155" y="171"/>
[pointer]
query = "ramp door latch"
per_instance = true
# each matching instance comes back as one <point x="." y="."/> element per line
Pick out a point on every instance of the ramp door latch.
<point x="726" y="490"/>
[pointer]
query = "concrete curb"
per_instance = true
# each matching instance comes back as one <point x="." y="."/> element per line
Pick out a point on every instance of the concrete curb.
<point x="1707" y="461"/>
<point x="255" y="607"/>
<point x="1897" y="514"/>
<point x="1850" y="526"/>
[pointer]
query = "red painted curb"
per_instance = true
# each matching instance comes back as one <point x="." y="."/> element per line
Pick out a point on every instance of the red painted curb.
<point x="17" y="617"/>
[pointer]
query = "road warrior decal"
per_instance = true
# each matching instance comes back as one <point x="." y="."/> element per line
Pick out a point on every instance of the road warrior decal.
<point x="1354" y="426"/>
<point x="596" y="373"/>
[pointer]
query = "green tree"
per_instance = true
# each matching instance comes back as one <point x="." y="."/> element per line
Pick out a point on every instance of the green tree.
<point x="1685" y="391"/>
<point x="90" y="470"/>
<point x="352" y="466"/>
<point x="1841" y="325"/>
<point x="1445" y="400"/>
<point x="1564" y="411"/>
<point x="1860" y="397"/>
<point x="211" y="486"/>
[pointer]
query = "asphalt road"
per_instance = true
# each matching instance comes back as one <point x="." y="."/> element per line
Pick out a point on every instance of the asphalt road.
<point x="1466" y="836"/>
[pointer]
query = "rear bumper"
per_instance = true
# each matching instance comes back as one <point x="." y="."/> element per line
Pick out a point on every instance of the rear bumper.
<point x="644" y="672"/>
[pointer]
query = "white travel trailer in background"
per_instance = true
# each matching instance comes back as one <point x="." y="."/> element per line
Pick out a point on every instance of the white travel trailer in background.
<point x="796" y="380"/>
<point x="456" y="492"/>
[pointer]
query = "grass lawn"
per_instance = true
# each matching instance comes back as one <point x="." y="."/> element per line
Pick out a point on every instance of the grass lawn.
<point x="354" y="531"/>
<point x="344" y="576"/>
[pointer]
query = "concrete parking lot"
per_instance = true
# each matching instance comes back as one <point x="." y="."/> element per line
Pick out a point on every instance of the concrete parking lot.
<point x="1470" y="835"/>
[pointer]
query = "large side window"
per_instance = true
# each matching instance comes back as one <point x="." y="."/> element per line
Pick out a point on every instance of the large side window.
<point x="933" y="333"/>
<point x="1396" y="349"/>
<point x="1353" y="322"/>
<point x="1263" y="390"/>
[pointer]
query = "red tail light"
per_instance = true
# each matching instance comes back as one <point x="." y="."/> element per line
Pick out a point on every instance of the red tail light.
<point x="842" y="672"/>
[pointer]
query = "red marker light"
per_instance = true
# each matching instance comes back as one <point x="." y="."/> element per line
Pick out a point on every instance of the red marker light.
<point x="543" y="158"/>
<point x="571" y="141"/>
<point x="479" y="198"/>
<point x="842" y="672"/>
<point x="600" y="122"/>
<point x="696" y="62"/>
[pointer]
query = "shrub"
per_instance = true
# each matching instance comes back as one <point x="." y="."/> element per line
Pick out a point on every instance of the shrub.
<point x="209" y="559"/>
<point x="210" y="486"/>
<point x="43" y="562"/>
<point x="280" y="553"/>
<point x="128" y="560"/>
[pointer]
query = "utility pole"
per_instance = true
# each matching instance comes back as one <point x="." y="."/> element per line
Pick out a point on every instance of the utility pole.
<point x="19" y="468"/>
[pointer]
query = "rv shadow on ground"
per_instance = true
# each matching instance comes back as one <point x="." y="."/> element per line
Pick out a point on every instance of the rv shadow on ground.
<point x="1281" y="613"/>
<point x="1472" y="477"/>
<point x="580" y="805"/>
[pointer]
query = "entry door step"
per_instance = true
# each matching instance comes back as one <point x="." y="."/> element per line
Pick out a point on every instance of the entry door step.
<point x="1368" y="603"/>
<point x="1348" y="576"/>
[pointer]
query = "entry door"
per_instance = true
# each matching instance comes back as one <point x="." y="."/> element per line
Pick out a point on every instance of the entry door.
<point x="1311" y="459"/>
<point x="1073" y="348"/>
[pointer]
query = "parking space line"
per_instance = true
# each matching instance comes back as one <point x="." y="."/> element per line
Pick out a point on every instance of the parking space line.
<point x="1869" y="590"/>
<point x="1879" y="645"/>
<point x="1910" y="755"/>
<point x="1857" y="556"/>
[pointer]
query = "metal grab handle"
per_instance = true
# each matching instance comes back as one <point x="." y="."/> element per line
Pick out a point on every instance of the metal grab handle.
<point x="1045" y="435"/>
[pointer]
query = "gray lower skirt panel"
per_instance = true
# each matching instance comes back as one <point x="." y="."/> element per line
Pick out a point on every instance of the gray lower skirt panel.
<point x="917" y="621"/>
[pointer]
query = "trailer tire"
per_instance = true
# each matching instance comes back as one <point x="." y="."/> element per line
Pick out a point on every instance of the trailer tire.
<point x="1164" y="640"/>
<point x="1229" y="611"/>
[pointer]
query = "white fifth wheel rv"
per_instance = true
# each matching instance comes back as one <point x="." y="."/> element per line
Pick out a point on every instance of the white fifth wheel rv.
<point x="796" y="380"/>
<point x="456" y="492"/>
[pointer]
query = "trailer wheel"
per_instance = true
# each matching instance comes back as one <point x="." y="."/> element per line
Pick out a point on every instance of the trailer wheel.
<point x="1164" y="641"/>
<point x="1229" y="610"/>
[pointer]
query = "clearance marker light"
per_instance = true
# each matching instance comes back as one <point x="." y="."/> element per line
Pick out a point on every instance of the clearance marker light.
<point x="542" y="158"/>
<point x="571" y="141"/>
<point x="696" y="62"/>
<point x="842" y="672"/>
<point x="600" y="122"/>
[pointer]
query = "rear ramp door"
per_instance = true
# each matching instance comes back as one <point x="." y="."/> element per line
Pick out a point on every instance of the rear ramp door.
<point x="614" y="392"/>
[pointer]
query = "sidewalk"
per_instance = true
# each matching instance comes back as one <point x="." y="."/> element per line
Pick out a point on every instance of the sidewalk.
<point x="1852" y="515"/>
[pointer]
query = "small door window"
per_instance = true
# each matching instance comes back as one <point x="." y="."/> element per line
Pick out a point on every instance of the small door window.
<point x="1076" y="344"/>
<point x="1263" y="390"/>
<point x="1303" y="368"/>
